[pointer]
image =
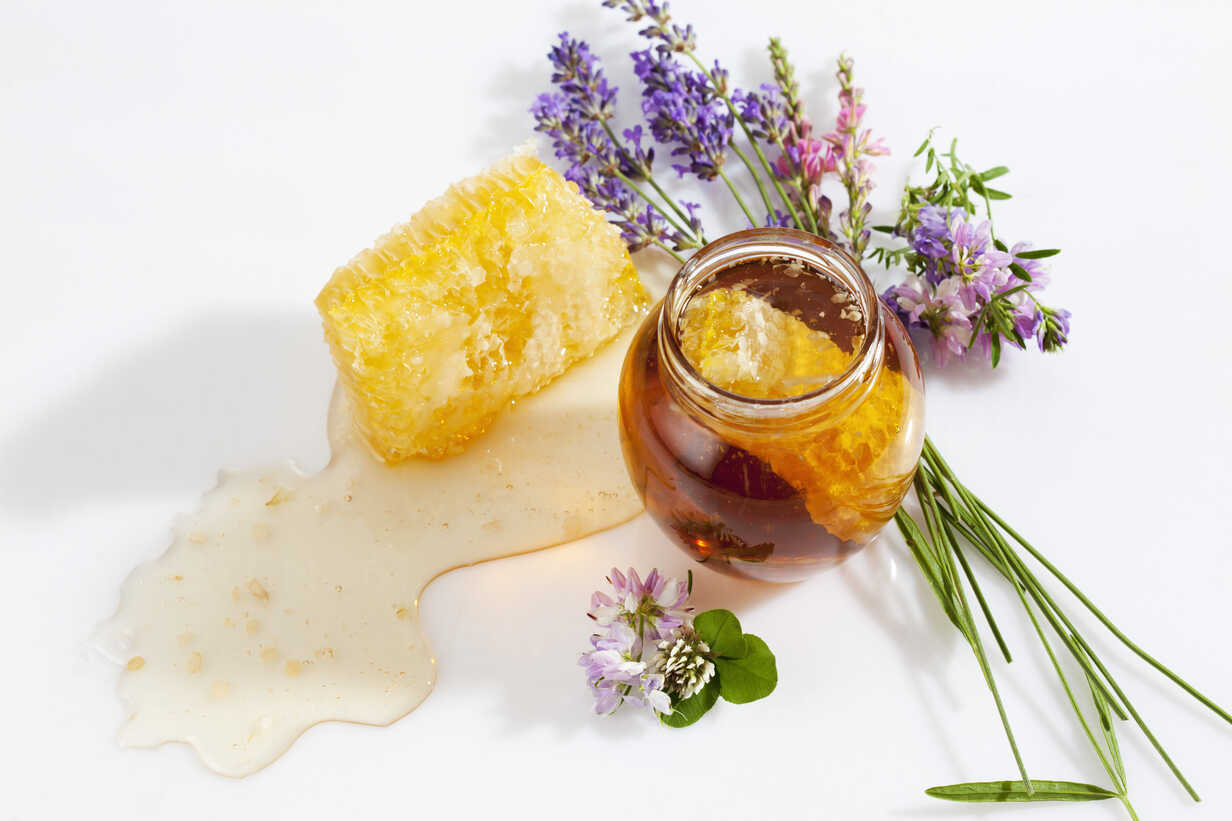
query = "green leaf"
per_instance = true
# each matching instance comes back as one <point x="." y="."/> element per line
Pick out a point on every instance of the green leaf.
<point x="993" y="173"/>
<point x="923" y="145"/>
<point x="1019" y="271"/>
<point x="996" y="349"/>
<point x="999" y="245"/>
<point x="749" y="678"/>
<point x="1017" y="791"/>
<point x="1040" y="254"/>
<point x="694" y="707"/>
<point x="994" y="194"/>
<point x="721" y="630"/>
<point x="885" y="229"/>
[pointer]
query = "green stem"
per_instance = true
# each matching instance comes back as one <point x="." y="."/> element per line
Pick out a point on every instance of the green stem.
<point x="939" y="462"/>
<point x="667" y="198"/>
<point x="765" y="164"/>
<point x="765" y="197"/>
<point x="798" y="184"/>
<point x="1013" y="569"/>
<point x="684" y="232"/>
<point x="670" y="250"/>
<point x="778" y="186"/>
<point x="698" y="237"/>
<point x="1078" y="594"/>
<point x="1047" y="606"/>
<point x="736" y="194"/>
<point x="1056" y="665"/>
<point x="973" y="637"/>
<point x="979" y="595"/>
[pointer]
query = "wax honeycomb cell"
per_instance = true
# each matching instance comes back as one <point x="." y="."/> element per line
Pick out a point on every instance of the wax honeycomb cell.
<point x="486" y="294"/>
<point x="843" y="468"/>
<point x="745" y="345"/>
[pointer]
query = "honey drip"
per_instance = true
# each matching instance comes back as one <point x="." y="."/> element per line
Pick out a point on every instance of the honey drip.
<point x="287" y="600"/>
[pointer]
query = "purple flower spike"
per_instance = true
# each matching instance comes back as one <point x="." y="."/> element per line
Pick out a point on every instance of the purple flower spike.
<point x="660" y="25"/>
<point x="765" y="112"/>
<point x="579" y="76"/>
<point x="684" y="112"/>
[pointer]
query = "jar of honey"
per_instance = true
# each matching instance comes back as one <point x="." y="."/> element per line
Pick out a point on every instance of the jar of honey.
<point x="771" y="407"/>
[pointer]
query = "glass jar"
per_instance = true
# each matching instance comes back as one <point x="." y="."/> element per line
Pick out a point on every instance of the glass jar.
<point x="774" y="488"/>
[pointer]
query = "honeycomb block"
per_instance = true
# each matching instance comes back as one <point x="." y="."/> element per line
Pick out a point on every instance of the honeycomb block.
<point x="487" y="294"/>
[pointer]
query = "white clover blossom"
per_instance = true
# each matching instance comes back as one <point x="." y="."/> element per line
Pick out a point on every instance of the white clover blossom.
<point x="684" y="662"/>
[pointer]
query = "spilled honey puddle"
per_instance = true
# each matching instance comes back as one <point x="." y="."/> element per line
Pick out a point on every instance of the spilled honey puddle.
<point x="288" y="600"/>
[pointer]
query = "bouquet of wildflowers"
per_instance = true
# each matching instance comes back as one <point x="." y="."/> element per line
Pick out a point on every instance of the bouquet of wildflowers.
<point x="959" y="287"/>
<point x="654" y="652"/>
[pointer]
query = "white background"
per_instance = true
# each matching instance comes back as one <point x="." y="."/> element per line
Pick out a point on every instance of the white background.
<point x="177" y="182"/>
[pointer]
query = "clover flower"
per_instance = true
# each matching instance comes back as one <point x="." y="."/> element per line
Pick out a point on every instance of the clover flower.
<point x="637" y="612"/>
<point x="686" y="656"/>
<point x="613" y="668"/>
<point x="1053" y="330"/>
<point x="684" y="662"/>
<point x="654" y="607"/>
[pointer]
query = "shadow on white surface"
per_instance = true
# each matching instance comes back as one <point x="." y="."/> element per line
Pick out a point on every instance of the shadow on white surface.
<point x="223" y="390"/>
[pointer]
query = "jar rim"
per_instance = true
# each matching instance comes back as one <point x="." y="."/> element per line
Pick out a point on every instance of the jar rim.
<point x="815" y="253"/>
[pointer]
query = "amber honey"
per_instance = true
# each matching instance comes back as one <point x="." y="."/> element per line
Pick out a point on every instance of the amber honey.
<point x="771" y="408"/>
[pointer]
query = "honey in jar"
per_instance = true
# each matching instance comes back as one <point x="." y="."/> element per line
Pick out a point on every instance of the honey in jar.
<point x="771" y="407"/>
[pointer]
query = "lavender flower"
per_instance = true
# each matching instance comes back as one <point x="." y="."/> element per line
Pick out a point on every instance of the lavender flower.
<point x="579" y="76"/>
<point x="660" y="25"/>
<point x="640" y="225"/>
<point x="765" y="112"/>
<point x="684" y="110"/>
<point x="574" y="117"/>
<point x="604" y="169"/>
